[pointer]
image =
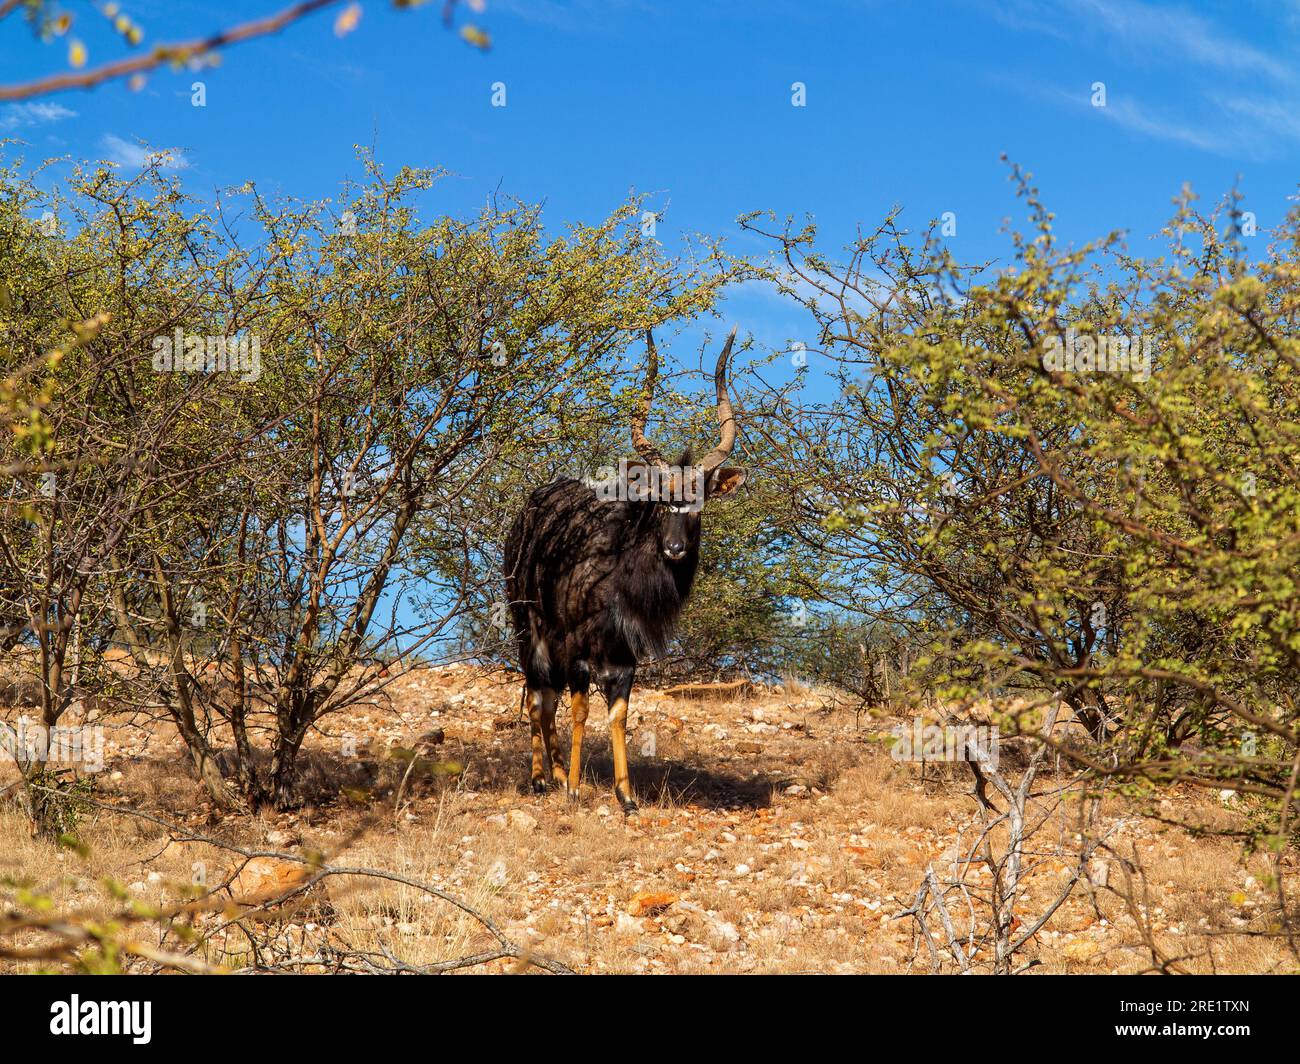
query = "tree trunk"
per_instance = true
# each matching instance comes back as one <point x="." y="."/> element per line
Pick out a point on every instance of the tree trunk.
<point x="205" y="763"/>
<point x="284" y="768"/>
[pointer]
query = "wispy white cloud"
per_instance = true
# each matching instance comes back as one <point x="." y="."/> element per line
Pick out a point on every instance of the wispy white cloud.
<point x="1234" y="127"/>
<point x="1171" y="32"/>
<point x="1270" y="120"/>
<point x="1160" y="32"/>
<point x="1233" y="98"/>
<point x="1138" y="118"/>
<point x="137" y="155"/>
<point x="26" y="115"/>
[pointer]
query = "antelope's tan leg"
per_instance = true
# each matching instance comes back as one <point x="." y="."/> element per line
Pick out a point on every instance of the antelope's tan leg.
<point x="618" y="740"/>
<point x="575" y="752"/>
<point x="536" y="708"/>
<point x="555" y="761"/>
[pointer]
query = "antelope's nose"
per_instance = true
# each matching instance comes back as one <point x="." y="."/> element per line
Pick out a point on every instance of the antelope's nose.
<point x="675" y="551"/>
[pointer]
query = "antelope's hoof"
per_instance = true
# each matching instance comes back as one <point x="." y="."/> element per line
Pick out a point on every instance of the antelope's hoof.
<point x="629" y="806"/>
<point x="539" y="786"/>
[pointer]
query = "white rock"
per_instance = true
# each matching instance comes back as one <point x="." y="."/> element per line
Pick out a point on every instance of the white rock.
<point x="726" y="930"/>
<point x="1098" y="871"/>
<point x="522" y="820"/>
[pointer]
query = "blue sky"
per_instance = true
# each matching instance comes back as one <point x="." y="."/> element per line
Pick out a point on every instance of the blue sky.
<point x="907" y="103"/>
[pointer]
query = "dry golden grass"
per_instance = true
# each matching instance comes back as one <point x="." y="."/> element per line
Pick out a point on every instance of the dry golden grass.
<point x="789" y="837"/>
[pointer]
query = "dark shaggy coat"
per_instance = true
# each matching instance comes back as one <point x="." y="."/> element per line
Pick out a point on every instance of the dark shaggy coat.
<point x="588" y="585"/>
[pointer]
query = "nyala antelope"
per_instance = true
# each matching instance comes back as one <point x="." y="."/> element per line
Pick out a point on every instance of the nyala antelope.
<point x="596" y="575"/>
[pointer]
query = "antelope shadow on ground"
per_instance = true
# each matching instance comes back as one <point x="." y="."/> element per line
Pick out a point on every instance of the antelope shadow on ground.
<point x="673" y="779"/>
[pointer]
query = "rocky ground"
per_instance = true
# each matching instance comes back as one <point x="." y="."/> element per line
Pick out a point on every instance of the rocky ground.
<point x="776" y="835"/>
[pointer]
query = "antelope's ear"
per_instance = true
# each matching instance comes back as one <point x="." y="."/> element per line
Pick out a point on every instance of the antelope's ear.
<point x="725" y="481"/>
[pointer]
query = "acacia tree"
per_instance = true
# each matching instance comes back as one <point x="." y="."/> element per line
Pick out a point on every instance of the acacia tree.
<point x="110" y="435"/>
<point x="72" y="481"/>
<point x="1117" y="528"/>
<point x="283" y="515"/>
<point x="437" y="353"/>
